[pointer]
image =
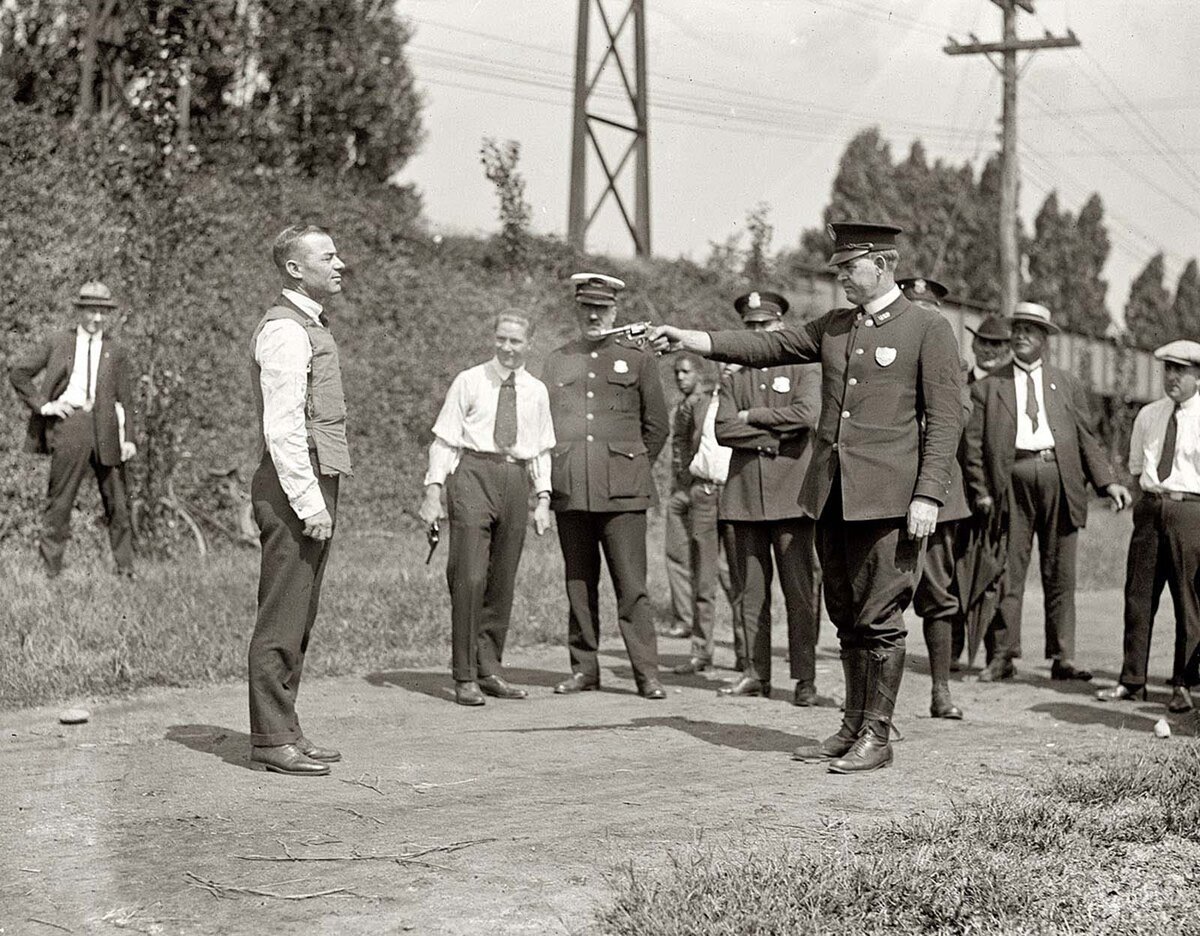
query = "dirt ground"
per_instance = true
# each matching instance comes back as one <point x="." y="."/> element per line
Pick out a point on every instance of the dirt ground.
<point x="505" y="819"/>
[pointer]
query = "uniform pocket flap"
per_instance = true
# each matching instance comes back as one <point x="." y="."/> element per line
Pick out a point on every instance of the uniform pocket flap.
<point x="624" y="378"/>
<point x="628" y="449"/>
<point x="561" y="449"/>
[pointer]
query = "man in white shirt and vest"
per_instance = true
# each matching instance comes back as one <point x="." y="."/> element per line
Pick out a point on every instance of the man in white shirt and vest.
<point x="1030" y="446"/>
<point x="1164" y="455"/>
<point x="492" y="441"/>
<point x="82" y="416"/>
<point x="297" y="385"/>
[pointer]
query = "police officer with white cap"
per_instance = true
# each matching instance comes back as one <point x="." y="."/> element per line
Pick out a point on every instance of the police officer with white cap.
<point x="610" y="423"/>
<point x="1164" y="455"/>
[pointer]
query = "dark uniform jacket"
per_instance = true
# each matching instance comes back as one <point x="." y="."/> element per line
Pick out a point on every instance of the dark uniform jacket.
<point x="992" y="438"/>
<point x="114" y="384"/>
<point x="610" y="420"/>
<point x="891" y="407"/>
<point x="772" y="450"/>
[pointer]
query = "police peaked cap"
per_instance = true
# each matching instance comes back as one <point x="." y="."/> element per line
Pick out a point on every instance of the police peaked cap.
<point x="760" y="306"/>
<point x="854" y="239"/>
<point x="922" y="289"/>
<point x="596" y="288"/>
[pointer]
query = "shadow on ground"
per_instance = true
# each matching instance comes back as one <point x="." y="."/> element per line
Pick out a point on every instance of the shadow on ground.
<point x="1114" y="716"/>
<point x="737" y="736"/>
<point x="233" y="747"/>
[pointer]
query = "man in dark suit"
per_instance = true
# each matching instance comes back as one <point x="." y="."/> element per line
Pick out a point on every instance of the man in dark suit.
<point x="1030" y="446"/>
<point x="297" y="387"/>
<point x="767" y="417"/>
<point x="610" y="423"/>
<point x="83" y="418"/>
<point x="891" y="416"/>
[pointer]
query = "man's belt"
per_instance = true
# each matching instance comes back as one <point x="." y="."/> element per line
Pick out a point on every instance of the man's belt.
<point x="499" y="457"/>
<point x="1173" y="495"/>
<point x="1043" y="455"/>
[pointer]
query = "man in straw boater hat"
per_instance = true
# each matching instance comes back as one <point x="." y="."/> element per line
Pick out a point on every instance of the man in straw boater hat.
<point x="610" y="423"/>
<point x="1031" y="451"/>
<point x="1164" y="455"/>
<point x="83" y="418"/>
<point x="891" y="415"/>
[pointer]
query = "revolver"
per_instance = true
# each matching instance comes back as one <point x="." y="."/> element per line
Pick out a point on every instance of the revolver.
<point x="432" y="537"/>
<point x="635" y="330"/>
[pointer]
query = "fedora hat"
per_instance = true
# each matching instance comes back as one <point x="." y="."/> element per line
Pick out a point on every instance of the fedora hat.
<point x="1036" y="314"/>
<point x="993" y="328"/>
<point x="95" y="293"/>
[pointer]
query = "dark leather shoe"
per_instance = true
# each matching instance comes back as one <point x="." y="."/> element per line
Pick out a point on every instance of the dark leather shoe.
<point x="652" y="689"/>
<point x="940" y="705"/>
<point x="837" y="745"/>
<point x="323" y="754"/>
<point x="577" y="682"/>
<point x="287" y="759"/>
<point x="127" y="574"/>
<point x="468" y="693"/>
<point x="870" y="752"/>
<point x="678" y="631"/>
<point x="1065" y="669"/>
<point x="746" y="687"/>
<point x="1000" y="668"/>
<point x="497" y="687"/>
<point x="692" y="666"/>
<point x="1181" y="700"/>
<point x="805" y="694"/>
<point x="1121" y="693"/>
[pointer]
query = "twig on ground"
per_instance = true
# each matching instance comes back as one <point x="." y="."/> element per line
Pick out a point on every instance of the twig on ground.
<point x="423" y="786"/>
<point x="57" y="926"/>
<point x="224" y="890"/>
<point x="397" y="856"/>
<point x="363" y="783"/>
<point x="357" y="814"/>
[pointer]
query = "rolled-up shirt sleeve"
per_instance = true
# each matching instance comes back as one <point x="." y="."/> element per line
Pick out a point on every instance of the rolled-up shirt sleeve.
<point x="446" y="448"/>
<point x="283" y="353"/>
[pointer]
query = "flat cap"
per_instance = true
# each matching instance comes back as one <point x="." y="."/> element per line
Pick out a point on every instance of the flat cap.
<point x="922" y="289"/>
<point x="993" y="328"/>
<point x="760" y="306"/>
<point x="1181" y="351"/>
<point x="596" y="288"/>
<point x="95" y="293"/>
<point x="854" y="239"/>
<point x="1035" y="313"/>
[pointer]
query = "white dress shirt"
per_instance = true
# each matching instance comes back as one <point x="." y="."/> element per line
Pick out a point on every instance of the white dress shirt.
<point x="468" y="421"/>
<point x="76" y="393"/>
<point x="1146" y="445"/>
<point x="1029" y="439"/>
<point x="879" y="303"/>
<point x="284" y="353"/>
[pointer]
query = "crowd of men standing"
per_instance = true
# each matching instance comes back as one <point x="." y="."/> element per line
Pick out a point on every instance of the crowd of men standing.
<point x="855" y="456"/>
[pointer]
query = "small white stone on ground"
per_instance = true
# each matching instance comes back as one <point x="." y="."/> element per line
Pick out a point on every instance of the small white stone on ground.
<point x="1162" y="729"/>
<point x="74" y="716"/>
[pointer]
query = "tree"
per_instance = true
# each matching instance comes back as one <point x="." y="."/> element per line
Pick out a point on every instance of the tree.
<point x="1087" y="289"/>
<point x="1148" y="311"/>
<point x="977" y="265"/>
<point x="500" y="167"/>
<point x="1185" y="308"/>
<point x="1066" y="256"/>
<point x="757" y="268"/>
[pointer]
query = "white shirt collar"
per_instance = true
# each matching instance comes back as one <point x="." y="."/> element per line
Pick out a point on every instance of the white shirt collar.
<point x="1029" y="368"/>
<point x="1189" y="404"/>
<point x="879" y="303"/>
<point x="81" y="332"/>
<point x="503" y="371"/>
<point x="305" y="304"/>
<point x="979" y="372"/>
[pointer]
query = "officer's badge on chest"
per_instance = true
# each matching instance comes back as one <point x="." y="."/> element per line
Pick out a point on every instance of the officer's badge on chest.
<point x="884" y="356"/>
<point x="781" y="384"/>
<point x="620" y="366"/>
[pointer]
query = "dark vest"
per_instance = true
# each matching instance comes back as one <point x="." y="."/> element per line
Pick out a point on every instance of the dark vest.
<point x="325" y="406"/>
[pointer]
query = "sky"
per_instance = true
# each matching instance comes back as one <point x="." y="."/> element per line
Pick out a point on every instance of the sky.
<point x="753" y="101"/>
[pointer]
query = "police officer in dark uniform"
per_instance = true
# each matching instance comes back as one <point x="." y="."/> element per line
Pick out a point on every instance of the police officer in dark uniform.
<point x="891" y="417"/>
<point x="610" y="421"/>
<point x="767" y="417"/>
<point x="937" y="600"/>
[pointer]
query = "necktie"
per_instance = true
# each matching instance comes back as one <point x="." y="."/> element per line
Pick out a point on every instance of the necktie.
<point x="505" y="435"/>
<point x="90" y="390"/>
<point x="323" y="319"/>
<point x="1167" y="460"/>
<point x="1031" y="407"/>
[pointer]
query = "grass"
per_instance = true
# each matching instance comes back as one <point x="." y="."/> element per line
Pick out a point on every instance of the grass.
<point x="1106" y="846"/>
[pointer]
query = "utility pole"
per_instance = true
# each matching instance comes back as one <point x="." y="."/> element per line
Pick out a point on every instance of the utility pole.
<point x="579" y="217"/>
<point x="1010" y="255"/>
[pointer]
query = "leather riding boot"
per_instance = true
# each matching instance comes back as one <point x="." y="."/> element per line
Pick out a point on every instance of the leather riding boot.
<point x="854" y="668"/>
<point x="939" y="637"/>
<point x="873" y="748"/>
